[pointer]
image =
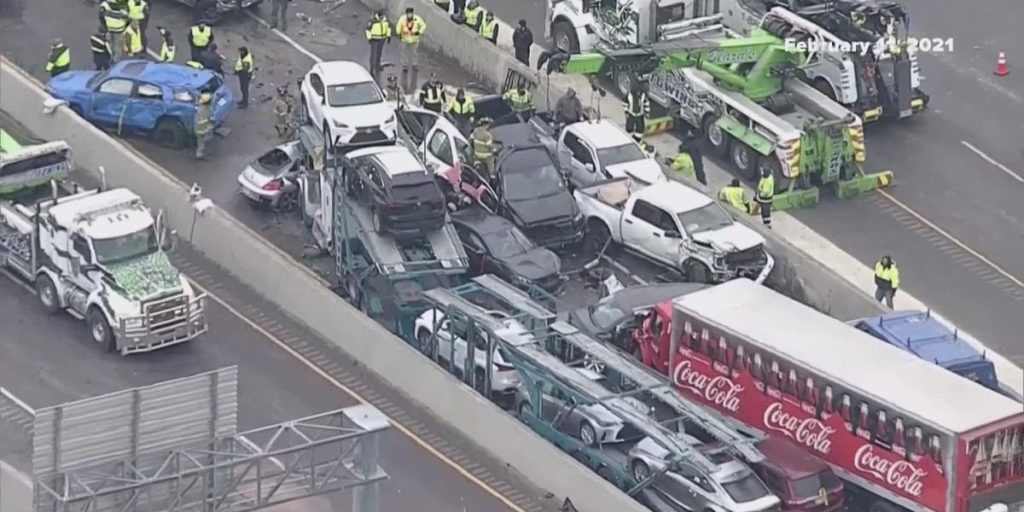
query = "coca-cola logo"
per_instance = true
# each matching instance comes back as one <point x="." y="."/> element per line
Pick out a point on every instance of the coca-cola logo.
<point x="809" y="432"/>
<point x="897" y="473"/>
<point x="717" y="389"/>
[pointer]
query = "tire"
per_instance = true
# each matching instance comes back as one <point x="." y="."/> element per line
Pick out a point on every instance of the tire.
<point x="623" y="83"/>
<point x="47" y="293"/>
<point x="597" y="236"/>
<point x="525" y="409"/>
<point x="822" y="86"/>
<point x="304" y="117"/>
<point x="697" y="272"/>
<point x="587" y="434"/>
<point x="170" y="133"/>
<point x="289" y="202"/>
<point x="744" y="159"/>
<point x="717" y="139"/>
<point x="563" y="37"/>
<point x="99" y="328"/>
<point x="639" y="471"/>
<point x="423" y="342"/>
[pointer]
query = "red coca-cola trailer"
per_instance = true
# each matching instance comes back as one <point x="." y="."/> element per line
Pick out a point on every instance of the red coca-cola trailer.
<point x="906" y="433"/>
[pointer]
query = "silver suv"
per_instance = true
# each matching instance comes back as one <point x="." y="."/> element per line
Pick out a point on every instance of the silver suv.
<point x="733" y="487"/>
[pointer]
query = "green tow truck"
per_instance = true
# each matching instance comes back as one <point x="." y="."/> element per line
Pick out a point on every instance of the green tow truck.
<point x="747" y="97"/>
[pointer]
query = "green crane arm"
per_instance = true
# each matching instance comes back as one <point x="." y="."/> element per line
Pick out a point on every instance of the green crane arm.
<point x="751" y="65"/>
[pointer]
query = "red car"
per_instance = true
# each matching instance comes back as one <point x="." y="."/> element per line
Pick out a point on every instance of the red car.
<point x="802" y="481"/>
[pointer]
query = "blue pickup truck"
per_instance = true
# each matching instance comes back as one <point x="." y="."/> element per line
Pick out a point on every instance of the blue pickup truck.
<point x="926" y="337"/>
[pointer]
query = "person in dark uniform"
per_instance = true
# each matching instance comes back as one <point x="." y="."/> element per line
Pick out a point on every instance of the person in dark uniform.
<point x="638" y="107"/>
<point x="101" y="51"/>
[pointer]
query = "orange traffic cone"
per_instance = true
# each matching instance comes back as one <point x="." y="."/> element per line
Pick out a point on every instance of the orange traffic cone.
<point x="1001" y="68"/>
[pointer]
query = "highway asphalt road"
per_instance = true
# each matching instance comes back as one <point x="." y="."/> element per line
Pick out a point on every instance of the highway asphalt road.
<point x="48" y="360"/>
<point x="941" y="179"/>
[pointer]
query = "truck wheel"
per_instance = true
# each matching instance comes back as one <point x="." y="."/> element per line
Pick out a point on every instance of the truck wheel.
<point x="825" y="88"/>
<point x="697" y="272"/>
<point x="623" y="83"/>
<point x="47" y="293"/>
<point x="100" y="329"/>
<point x="563" y="35"/>
<point x="170" y="133"/>
<point x="716" y="138"/>
<point x="598" y="236"/>
<point x="744" y="159"/>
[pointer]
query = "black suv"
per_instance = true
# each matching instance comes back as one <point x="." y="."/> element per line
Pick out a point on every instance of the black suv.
<point x="402" y="196"/>
<point x="531" y="189"/>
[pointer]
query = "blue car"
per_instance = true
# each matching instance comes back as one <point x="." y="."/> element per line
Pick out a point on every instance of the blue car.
<point x="142" y="97"/>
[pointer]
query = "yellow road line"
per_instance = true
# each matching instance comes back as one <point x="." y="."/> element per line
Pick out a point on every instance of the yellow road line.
<point x="334" y="382"/>
<point x="981" y="257"/>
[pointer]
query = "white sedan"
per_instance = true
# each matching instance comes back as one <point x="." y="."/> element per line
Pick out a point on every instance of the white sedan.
<point x="342" y="98"/>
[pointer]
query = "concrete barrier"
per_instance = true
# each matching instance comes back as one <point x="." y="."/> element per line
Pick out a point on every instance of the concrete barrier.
<point x="301" y="294"/>
<point x="15" y="490"/>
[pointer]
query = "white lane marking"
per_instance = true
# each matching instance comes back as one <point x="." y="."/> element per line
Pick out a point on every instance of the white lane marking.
<point x="992" y="161"/>
<point x="624" y="269"/>
<point x="284" y="36"/>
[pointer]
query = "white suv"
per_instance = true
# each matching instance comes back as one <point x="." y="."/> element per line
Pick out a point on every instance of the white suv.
<point x="342" y="98"/>
<point x="504" y="377"/>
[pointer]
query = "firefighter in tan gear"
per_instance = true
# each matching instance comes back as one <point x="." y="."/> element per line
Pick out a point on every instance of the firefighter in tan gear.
<point x="483" y="149"/>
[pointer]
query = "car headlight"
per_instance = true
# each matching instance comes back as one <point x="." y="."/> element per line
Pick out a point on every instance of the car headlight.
<point x="578" y="218"/>
<point x="339" y="124"/>
<point x="521" y="281"/>
<point x="133" y="323"/>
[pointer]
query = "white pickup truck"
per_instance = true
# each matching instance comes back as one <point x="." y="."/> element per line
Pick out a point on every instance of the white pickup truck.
<point x="675" y="226"/>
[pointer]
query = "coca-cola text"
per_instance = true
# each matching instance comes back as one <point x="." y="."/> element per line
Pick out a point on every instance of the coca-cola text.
<point x="897" y="473"/>
<point x="717" y="389"/>
<point x="808" y="432"/>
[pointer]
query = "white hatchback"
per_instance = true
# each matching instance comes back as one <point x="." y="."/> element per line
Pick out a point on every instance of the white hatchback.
<point x="343" y="100"/>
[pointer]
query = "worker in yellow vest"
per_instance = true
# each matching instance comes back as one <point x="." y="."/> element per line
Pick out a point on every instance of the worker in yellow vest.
<point x="765" y="196"/>
<point x="138" y="12"/>
<point x="489" y="28"/>
<point x="735" y="195"/>
<point x="410" y="28"/>
<point x="432" y="95"/>
<point x="114" y="18"/>
<point x="132" y="41"/>
<point x="200" y="36"/>
<point x="244" y="68"/>
<point x="101" y="51"/>
<point x="378" y="33"/>
<point x="167" y="48"/>
<point x="59" y="59"/>
<point x="887" y="280"/>
<point x="473" y="15"/>
<point x="520" y="100"/>
<point x="461" y="109"/>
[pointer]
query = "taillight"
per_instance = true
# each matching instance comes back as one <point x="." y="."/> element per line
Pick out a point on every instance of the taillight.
<point x="272" y="186"/>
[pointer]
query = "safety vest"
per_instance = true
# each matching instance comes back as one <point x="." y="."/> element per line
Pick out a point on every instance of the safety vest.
<point x="766" y="189"/>
<point x="465" y="108"/>
<point x="432" y="93"/>
<point x="194" y="64"/>
<point x="115" y="19"/>
<point x="735" y="196"/>
<point x="410" y="29"/>
<point x="472" y="16"/>
<point x="483" y="144"/>
<point x="60" y="57"/>
<point x="137" y="9"/>
<point x="244" y="64"/>
<point x="487" y="29"/>
<point x="637" y="105"/>
<point x="200" y="36"/>
<point x="132" y="41"/>
<point x="166" y="52"/>
<point x="99" y="45"/>
<point x="683" y="162"/>
<point x="519" y="101"/>
<point x="378" y="29"/>
<point x="887" y="276"/>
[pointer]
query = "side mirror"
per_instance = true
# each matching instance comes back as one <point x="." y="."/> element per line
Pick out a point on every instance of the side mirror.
<point x="89" y="267"/>
<point x="589" y="167"/>
<point x="672" y="234"/>
<point x="169" y="240"/>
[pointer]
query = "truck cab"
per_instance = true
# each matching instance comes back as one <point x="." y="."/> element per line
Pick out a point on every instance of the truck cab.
<point x="593" y="151"/>
<point x="924" y="336"/>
